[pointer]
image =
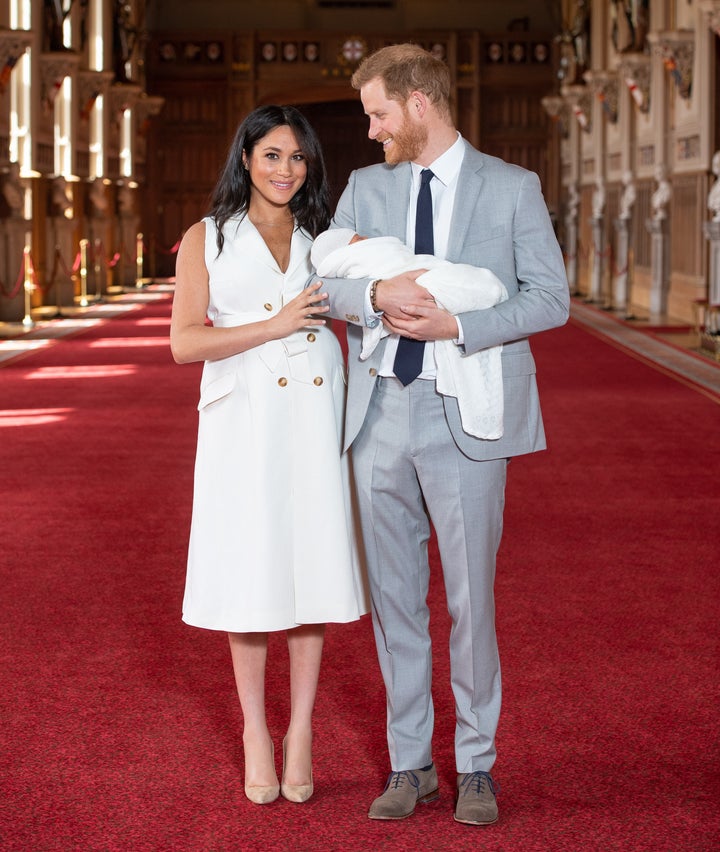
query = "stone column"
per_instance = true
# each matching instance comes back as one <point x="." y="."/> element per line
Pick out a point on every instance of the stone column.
<point x="128" y="225"/>
<point x="620" y="284"/>
<point x="660" y="262"/>
<point x="12" y="266"/>
<point x="571" y="249"/>
<point x="596" y="280"/>
<point x="61" y="276"/>
<point x="712" y="234"/>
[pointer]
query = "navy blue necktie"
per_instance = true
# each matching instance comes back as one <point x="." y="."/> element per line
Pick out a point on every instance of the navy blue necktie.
<point x="409" y="355"/>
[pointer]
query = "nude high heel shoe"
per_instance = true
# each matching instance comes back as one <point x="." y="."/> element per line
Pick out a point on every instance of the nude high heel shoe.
<point x="261" y="794"/>
<point x="295" y="792"/>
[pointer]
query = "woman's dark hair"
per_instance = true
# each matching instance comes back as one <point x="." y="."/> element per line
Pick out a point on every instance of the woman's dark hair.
<point x="310" y="205"/>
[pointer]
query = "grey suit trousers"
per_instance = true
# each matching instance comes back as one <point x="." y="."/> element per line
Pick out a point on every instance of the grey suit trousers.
<point x="409" y="472"/>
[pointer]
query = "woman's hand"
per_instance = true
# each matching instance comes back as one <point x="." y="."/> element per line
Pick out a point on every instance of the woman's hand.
<point x="300" y="312"/>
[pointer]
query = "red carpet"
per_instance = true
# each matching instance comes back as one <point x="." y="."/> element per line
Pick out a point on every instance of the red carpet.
<point x="120" y="726"/>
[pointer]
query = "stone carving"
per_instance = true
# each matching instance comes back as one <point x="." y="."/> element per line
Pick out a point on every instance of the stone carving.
<point x="662" y="195"/>
<point x="12" y="191"/>
<point x="97" y="198"/>
<point x="60" y="199"/>
<point x="713" y="199"/>
<point x="627" y="199"/>
<point x="598" y="199"/>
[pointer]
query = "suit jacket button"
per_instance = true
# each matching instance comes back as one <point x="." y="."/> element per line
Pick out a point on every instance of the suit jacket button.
<point x="282" y="381"/>
<point x="372" y="371"/>
<point x="267" y="306"/>
<point x="311" y="337"/>
<point x="317" y="380"/>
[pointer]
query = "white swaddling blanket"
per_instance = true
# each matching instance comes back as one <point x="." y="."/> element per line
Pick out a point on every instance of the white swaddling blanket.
<point x="474" y="380"/>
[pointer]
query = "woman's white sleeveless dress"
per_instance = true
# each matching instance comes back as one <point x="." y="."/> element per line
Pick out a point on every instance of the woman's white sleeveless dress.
<point x="272" y="542"/>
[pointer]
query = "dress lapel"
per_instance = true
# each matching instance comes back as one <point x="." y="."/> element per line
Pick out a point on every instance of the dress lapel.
<point x="299" y="250"/>
<point x="255" y="245"/>
<point x="299" y="247"/>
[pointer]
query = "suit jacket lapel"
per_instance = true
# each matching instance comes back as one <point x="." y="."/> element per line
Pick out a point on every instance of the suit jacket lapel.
<point x="396" y="200"/>
<point x="467" y="199"/>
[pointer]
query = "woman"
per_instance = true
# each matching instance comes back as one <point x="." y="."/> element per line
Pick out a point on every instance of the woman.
<point x="272" y="544"/>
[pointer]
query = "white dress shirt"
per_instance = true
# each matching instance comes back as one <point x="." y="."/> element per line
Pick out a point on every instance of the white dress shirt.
<point x="442" y="187"/>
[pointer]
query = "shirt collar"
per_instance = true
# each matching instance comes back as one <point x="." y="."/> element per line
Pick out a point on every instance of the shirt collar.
<point x="447" y="166"/>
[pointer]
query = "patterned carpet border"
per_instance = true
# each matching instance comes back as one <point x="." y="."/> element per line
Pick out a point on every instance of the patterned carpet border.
<point x="683" y="364"/>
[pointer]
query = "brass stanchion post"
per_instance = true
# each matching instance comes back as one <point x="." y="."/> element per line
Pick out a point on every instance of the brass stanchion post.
<point x="97" y="269"/>
<point x="139" y="261"/>
<point x="83" y="273"/>
<point x="153" y="257"/>
<point x="630" y="273"/>
<point x="29" y="287"/>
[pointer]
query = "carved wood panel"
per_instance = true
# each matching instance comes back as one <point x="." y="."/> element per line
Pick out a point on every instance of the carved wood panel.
<point x="208" y="90"/>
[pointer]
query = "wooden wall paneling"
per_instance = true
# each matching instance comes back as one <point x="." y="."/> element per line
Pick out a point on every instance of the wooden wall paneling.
<point x="189" y="145"/>
<point x="210" y="83"/>
<point x="516" y="73"/>
<point x="687" y="248"/>
<point x="642" y="211"/>
<point x="342" y="128"/>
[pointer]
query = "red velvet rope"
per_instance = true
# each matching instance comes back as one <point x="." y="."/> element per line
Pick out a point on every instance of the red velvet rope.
<point x="172" y="250"/>
<point x="11" y="294"/>
<point x="110" y="262"/>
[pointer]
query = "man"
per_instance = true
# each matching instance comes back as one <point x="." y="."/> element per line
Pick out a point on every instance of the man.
<point x="414" y="463"/>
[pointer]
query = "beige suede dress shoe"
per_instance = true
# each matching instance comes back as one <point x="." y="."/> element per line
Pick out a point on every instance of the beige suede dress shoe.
<point x="476" y="803"/>
<point x="403" y="791"/>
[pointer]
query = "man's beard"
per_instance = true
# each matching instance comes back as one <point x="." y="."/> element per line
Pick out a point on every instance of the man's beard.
<point x="408" y="142"/>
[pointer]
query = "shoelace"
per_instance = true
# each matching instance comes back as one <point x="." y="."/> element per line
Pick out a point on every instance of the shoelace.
<point x="397" y="779"/>
<point x="475" y="781"/>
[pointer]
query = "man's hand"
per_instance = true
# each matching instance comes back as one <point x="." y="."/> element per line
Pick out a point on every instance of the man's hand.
<point x="392" y="293"/>
<point x="425" y="321"/>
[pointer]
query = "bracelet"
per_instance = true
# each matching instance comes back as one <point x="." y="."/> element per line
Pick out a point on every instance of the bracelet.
<point x="373" y="288"/>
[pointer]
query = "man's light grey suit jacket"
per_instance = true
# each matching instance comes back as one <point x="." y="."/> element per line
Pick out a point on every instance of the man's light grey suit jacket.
<point x="500" y="221"/>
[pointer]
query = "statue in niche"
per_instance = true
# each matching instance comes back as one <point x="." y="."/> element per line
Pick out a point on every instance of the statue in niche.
<point x="642" y="24"/>
<point x="574" y="40"/>
<point x="630" y="23"/>
<point x="713" y="199"/>
<point x="573" y="202"/>
<point x="580" y="33"/>
<point x="598" y="199"/>
<point x="124" y="39"/>
<point x="54" y="18"/>
<point x="13" y="193"/>
<point x="627" y="199"/>
<point x="60" y="200"/>
<point x="126" y="206"/>
<point x="97" y="199"/>
<point x="662" y="195"/>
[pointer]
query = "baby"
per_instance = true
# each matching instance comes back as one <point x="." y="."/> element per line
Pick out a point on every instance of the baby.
<point x="475" y="380"/>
